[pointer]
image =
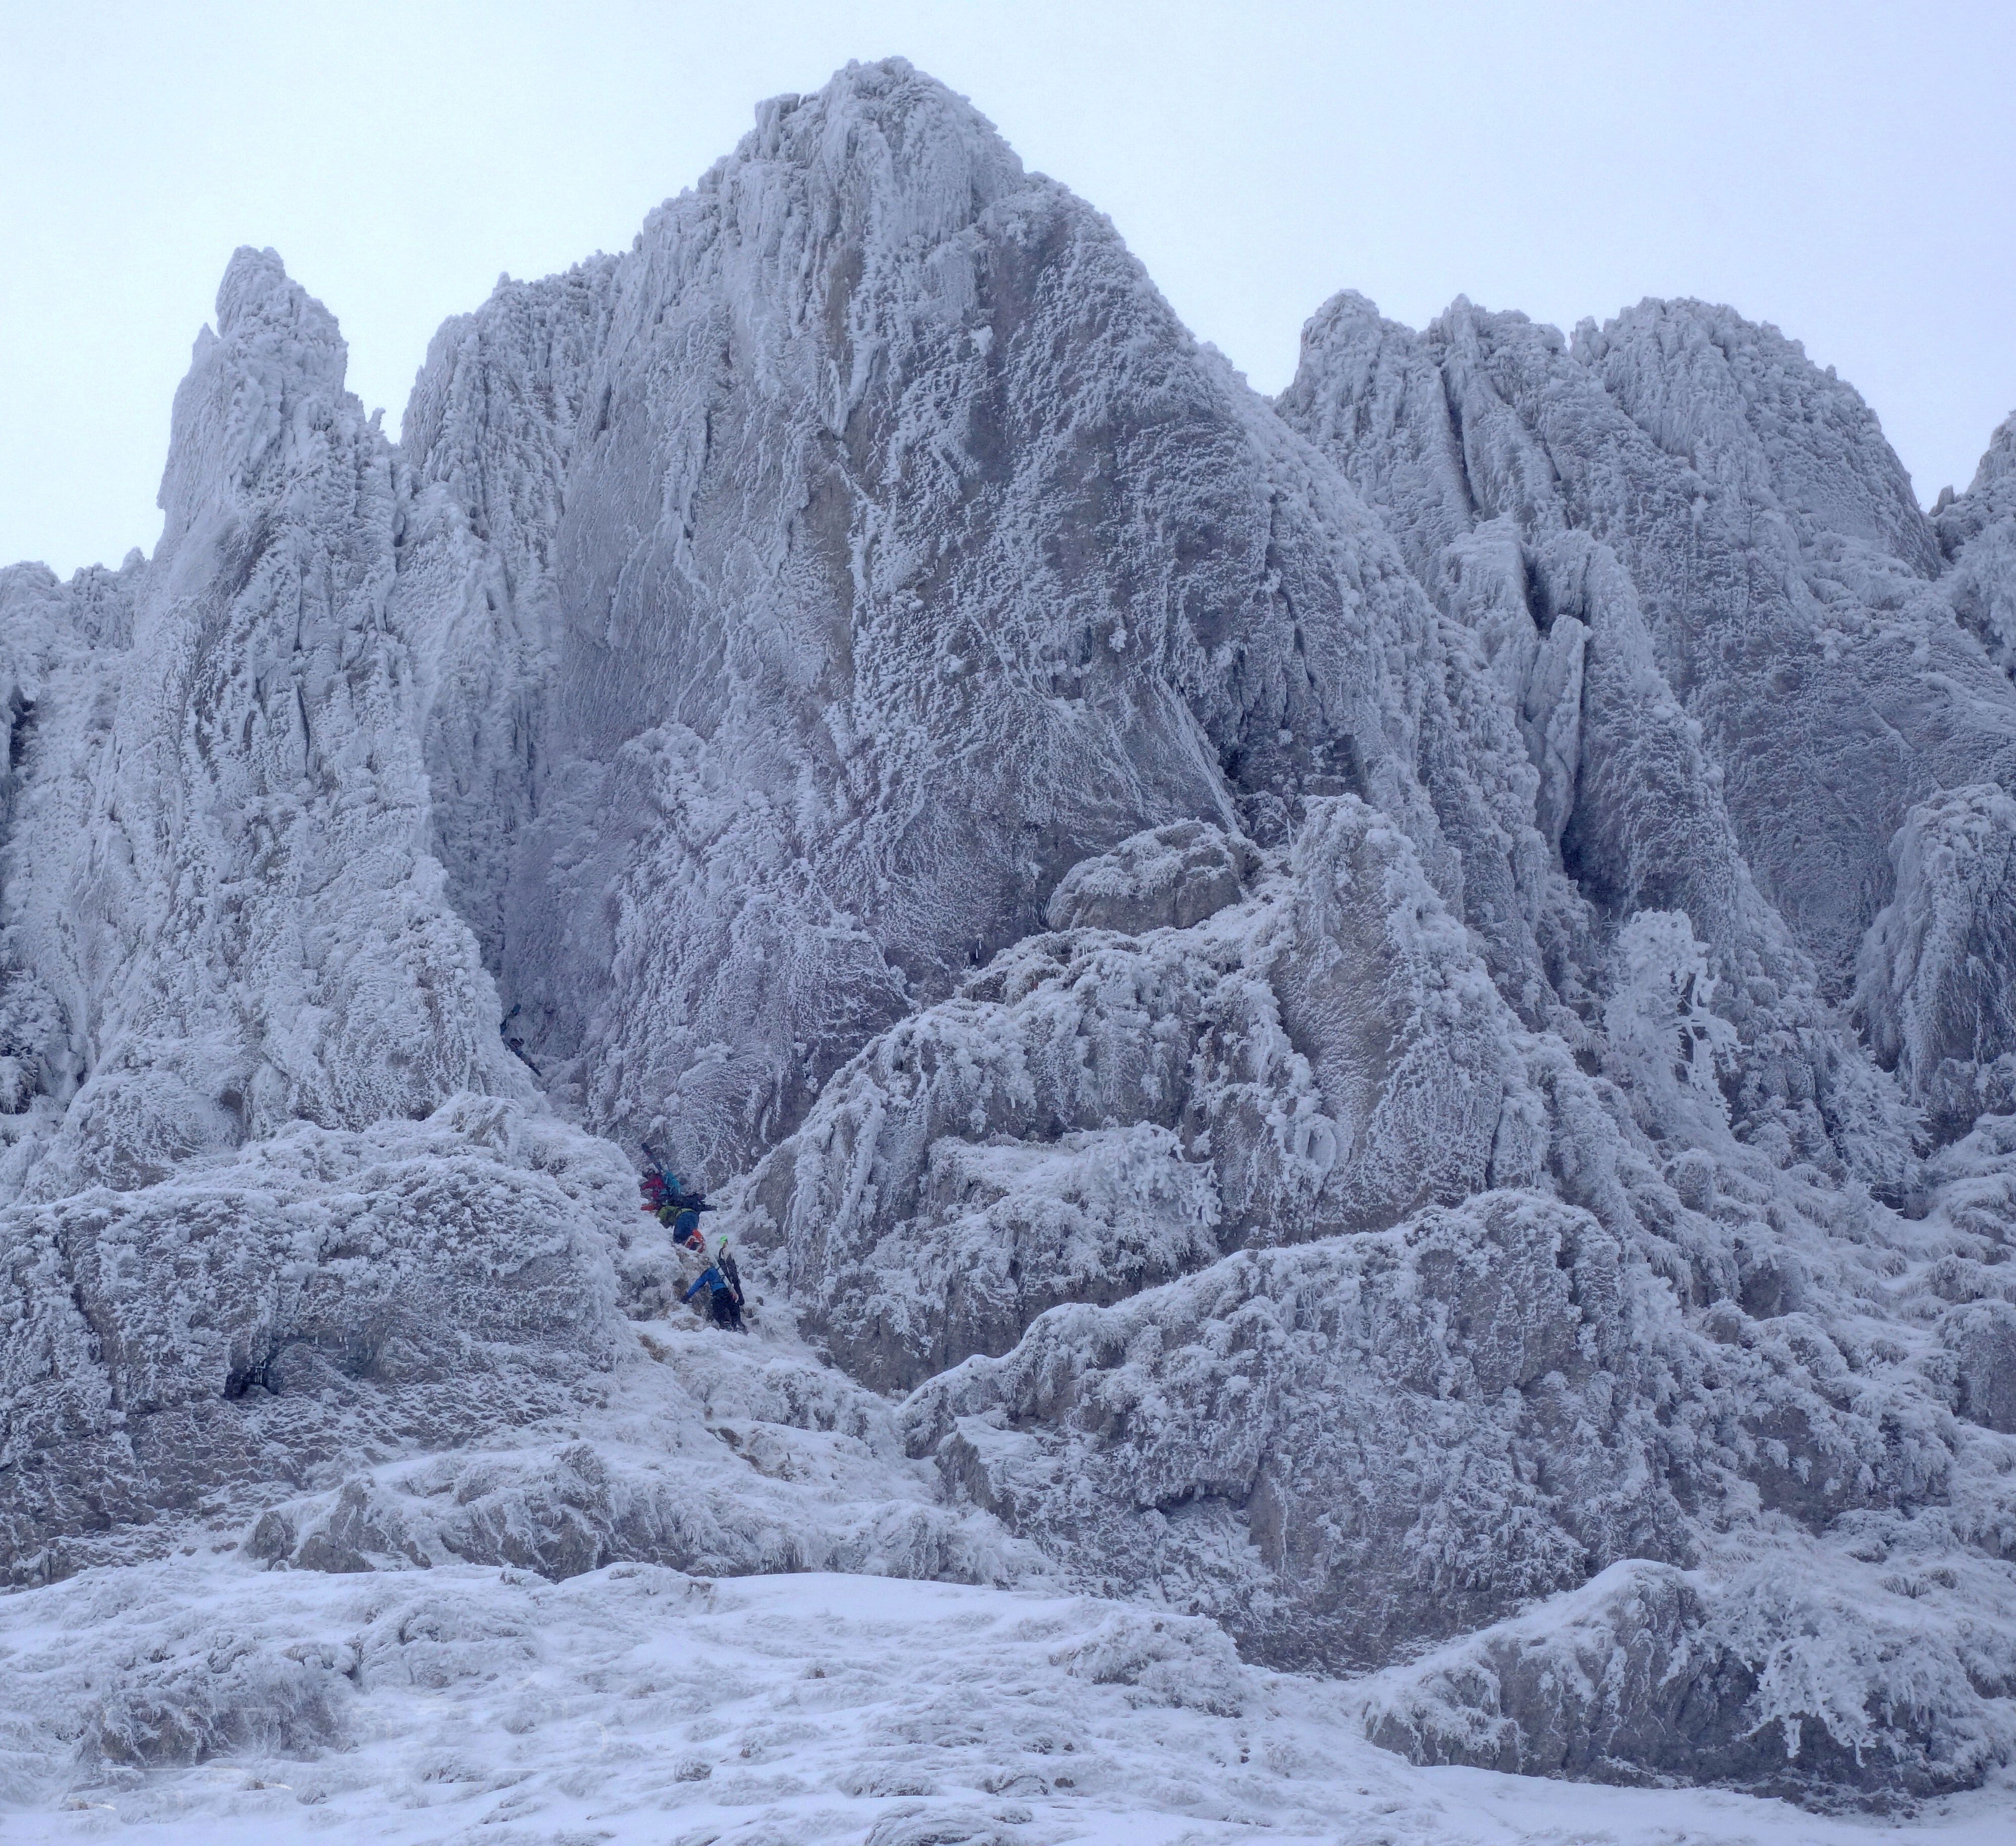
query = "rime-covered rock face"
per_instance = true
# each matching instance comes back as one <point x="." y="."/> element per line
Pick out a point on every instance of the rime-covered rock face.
<point x="222" y="913"/>
<point x="1168" y="878"/>
<point x="1977" y="532"/>
<point x="1386" y="1016"/>
<point x="878" y="468"/>
<point x="1938" y="988"/>
<point x="1783" y="571"/>
<point x="1653" y="1675"/>
<point x="1302" y="1413"/>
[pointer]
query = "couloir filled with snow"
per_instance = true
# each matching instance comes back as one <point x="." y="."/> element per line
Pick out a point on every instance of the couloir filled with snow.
<point x="1361" y="1047"/>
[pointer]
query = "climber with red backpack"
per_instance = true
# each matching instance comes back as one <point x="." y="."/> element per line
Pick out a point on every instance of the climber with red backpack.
<point x="673" y="1206"/>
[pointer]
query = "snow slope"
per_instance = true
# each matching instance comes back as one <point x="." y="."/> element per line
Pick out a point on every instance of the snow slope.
<point x="639" y="1704"/>
<point x="1382" y="1020"/>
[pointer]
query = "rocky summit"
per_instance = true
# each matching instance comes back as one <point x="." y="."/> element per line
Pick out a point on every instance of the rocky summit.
<point x="1385" y="1019"/>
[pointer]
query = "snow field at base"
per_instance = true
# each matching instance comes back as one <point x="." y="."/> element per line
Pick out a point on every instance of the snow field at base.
<point x="640" y="1704"/>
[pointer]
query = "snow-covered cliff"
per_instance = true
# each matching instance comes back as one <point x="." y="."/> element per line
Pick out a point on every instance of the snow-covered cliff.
<point x="1388" y="1017"/>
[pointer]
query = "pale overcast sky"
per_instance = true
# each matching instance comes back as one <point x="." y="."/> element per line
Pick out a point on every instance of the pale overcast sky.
<point x="1844" y="170"/>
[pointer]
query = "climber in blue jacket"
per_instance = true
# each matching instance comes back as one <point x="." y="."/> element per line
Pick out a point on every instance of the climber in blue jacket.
<point x="722" y="1278"/>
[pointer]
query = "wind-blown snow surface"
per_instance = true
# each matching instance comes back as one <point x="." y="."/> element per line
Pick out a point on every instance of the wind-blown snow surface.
<point x="640" y="1704"/>
<point x="1385" y="1020"/>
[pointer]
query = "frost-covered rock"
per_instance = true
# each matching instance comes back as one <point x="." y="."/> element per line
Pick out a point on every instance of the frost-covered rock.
<point x="179" y="1351"/>
<point x="797" y="581"/>
<point x="1347" y="1448"/>
<point x="1169" y="1660"/>
<point x="221" y="913"/>
<point x="1277" y="968"/>
<point x="1937" y="992"/>
<point x="1662" y="1028"/>
<point x="729" y="1457"/>
<point x="1293" y="1441"/>
<point x="1977" y="533"/>
<point x="1769" y="534"/>
<point x="1650" y="1674"/>
<point x="1486" y="445"/>
<point x="1981" y="1336"/>
<point x="1169" y="878"/>
<point x="959" y="1178"/>
<point x="1095" y="1114"/>
<point x="845" y="532"/>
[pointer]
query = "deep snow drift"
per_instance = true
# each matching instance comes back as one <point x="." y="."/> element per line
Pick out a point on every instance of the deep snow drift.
<point x="1386" y="1021"/>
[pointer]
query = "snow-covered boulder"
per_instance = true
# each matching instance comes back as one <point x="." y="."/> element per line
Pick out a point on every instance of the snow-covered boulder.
<point x="179" y="1352"/>
<point x="1652" y="1675"/>
<point x="728" y="1456"/>
<point x="1167" y="878"/>
<point x="1306" y="1444"/>
<point x="1352" y="1446"/>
